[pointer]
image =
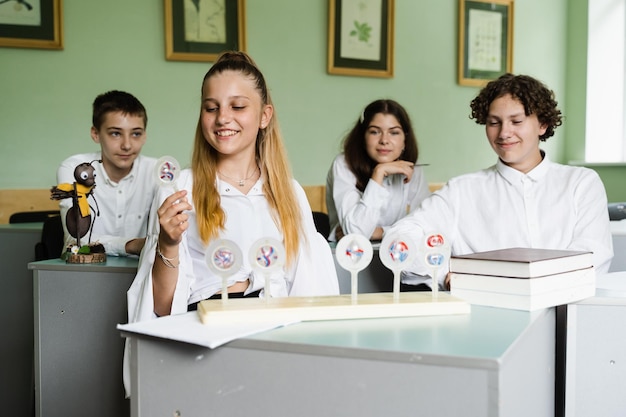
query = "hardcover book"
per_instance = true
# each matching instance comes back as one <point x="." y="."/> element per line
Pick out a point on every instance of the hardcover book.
<point x="521" y="262"/>
<point x="526" y="302"/>
<point x="522" y="286"/>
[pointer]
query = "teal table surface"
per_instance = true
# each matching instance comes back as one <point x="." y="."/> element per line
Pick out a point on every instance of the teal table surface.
<point x="17" y="227"/>
<point x="115" y="262"/>
<point x="484" y="333"/>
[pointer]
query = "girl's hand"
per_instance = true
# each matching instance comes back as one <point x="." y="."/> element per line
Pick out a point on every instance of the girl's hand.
<point x="173" y="219"/>
<point x="338" y="233"/>
<point x="396" y="167"/>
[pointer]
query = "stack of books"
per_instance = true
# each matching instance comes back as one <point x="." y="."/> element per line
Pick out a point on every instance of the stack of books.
<point x="523" y="278"/>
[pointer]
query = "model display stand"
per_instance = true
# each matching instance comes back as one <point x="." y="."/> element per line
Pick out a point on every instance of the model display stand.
<point x="334" y="307"/>
<point x="354" y="253"/>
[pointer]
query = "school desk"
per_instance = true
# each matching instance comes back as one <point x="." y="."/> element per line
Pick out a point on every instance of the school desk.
<point x="78" y="351"/>
<point x="17" y="249"/>
<point x="596" y="351"/>
<point x="492" y="362"/>
<point x="68" y="364"/>
<point x="618" y="233"/>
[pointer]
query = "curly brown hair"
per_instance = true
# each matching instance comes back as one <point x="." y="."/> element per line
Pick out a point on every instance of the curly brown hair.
<point x="533" y="94"/>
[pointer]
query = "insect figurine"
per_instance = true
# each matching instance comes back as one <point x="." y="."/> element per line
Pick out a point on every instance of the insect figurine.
<point x="79" y="219"/>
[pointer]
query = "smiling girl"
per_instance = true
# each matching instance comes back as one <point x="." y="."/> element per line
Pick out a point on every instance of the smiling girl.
<point x="375" y="181"/>
<point x="239" y="188"/>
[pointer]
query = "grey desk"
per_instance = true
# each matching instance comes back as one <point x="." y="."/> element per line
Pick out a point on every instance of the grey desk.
<point x="618" y="233"/>
<point x="596" y="351"/>
<point x="78" y="351"/>
<point x="17" y="249"/>
<point x="492" y="362"/>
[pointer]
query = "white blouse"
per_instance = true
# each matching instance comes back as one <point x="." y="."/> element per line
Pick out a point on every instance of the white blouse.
<point x="378" y="206"/>
<point x="248" y="219"/>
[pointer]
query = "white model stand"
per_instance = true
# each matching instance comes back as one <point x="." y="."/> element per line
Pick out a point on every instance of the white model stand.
<point x="337" y="307"/>
<point x="167" y="171"/>
<point x="397" y="252"/>
<point x="266" y="256"/>
<point x="436" y="252"/>
<point x="224" y="258"/>
<point x="354" y="253"/>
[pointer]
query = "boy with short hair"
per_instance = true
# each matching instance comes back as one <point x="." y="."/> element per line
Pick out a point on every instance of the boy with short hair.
<point x="125" y="180"/>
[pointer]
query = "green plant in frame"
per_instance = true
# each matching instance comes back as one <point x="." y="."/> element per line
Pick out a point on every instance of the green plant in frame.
<point x="362" y="31"/>
<point x="360" y="37"/>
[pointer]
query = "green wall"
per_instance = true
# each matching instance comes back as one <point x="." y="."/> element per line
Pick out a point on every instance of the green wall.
<point x="45" y="96"/>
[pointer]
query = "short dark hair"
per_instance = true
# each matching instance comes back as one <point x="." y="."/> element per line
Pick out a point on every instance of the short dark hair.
<point x="117" y="101"/>
<point x="535" y="96"/>
<point x="355" y="153"/>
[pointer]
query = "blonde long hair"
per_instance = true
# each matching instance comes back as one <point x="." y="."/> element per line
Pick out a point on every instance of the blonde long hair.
<point x="271" y="157"/>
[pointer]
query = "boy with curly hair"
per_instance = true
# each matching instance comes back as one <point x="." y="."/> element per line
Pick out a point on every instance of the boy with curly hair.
<point x="525" y="199"/>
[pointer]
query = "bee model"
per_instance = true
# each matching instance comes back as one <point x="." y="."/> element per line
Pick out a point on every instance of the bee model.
<point x="79" y="219"/>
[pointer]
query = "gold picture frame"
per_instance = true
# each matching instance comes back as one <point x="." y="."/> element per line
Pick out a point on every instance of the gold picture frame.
<point x="485" y="40"/>
<point x="30" y="24"/>
<point x="361" y="37"/>
<point x="187" y="40"/>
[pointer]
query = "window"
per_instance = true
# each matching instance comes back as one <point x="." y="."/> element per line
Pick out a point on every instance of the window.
<point x="605" y="141"/>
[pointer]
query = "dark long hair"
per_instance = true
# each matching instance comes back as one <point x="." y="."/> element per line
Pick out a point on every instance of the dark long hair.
<point x="359" y="162"/>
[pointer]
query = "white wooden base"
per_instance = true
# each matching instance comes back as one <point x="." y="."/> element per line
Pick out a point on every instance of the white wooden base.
<point x="339" y="307"/>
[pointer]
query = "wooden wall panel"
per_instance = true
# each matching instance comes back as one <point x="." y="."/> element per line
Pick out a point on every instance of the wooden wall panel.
<point x="13" y="201"/>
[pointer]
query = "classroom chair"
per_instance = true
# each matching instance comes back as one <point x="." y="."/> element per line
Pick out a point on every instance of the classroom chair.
<point x="322" y="223"/>
<point x="52" y="240"/>
<point x="32" y="216"/>
<point x="617" y="211"/>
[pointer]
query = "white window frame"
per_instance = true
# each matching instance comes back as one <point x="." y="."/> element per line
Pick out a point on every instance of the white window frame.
<point x="605" y="118"/>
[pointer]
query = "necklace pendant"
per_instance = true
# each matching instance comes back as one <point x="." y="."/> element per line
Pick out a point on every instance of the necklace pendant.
<point x="241" y="183"/>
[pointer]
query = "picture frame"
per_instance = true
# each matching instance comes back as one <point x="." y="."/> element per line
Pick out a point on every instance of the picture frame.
<point x="485" y="40"/>
<point x="187" y="40"/>
<point x="31" y="24"/>
<point x="361" y="37"/>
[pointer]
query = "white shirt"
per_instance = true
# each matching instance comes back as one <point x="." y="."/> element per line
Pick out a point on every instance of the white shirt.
<point x="124" y="207"/>
<point x="248" y="219"/>
<point x="378" y="206"/>
<point x="553" y="206"/>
